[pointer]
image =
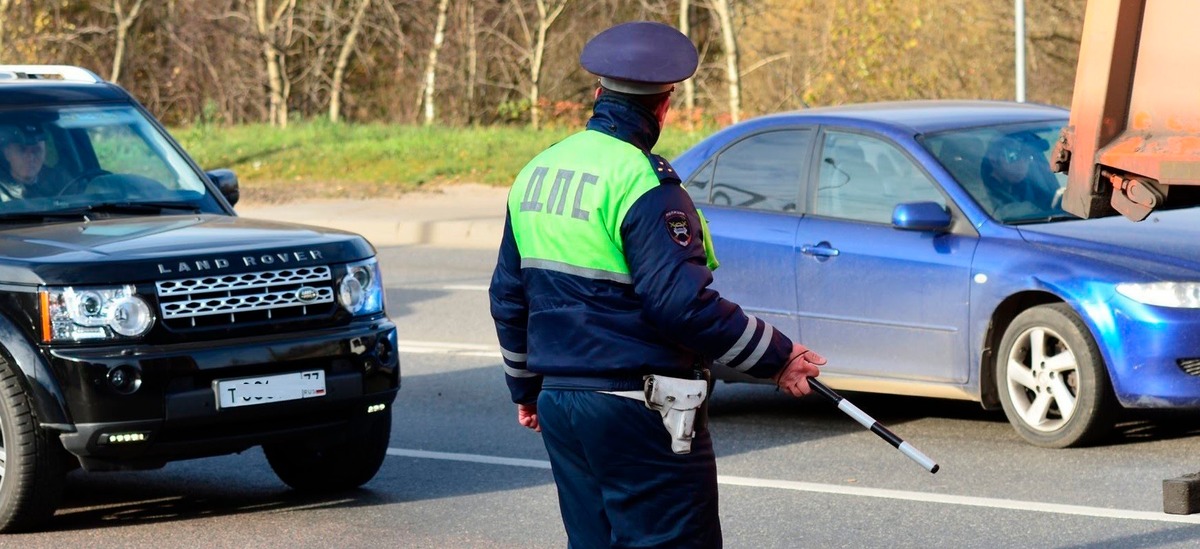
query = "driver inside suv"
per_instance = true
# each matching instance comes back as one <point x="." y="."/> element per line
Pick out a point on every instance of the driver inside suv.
<point x="23" y="173"/>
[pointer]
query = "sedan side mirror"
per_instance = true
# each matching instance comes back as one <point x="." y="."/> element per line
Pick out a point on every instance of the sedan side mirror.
<point x="921" y="216"/>
<point x="226" y="182"/>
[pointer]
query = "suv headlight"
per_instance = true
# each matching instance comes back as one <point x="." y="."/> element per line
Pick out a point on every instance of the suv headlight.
<point x="1183" y="295"/>
<point x="94" y="313"/>
<point x="360" y="291"/>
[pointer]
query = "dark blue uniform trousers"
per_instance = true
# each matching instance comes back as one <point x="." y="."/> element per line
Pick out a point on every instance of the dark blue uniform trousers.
<point x="619" y="483"/>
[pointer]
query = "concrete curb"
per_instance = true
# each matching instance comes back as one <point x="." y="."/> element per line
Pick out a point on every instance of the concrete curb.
<point x="460" y="216"/>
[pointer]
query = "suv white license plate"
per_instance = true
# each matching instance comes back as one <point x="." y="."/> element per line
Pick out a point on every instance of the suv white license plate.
<point x="248" y="391"/>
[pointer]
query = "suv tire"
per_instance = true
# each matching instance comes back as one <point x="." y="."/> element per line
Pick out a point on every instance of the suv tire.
<point x="32" y="474"/>
<point x="345" y="464"/>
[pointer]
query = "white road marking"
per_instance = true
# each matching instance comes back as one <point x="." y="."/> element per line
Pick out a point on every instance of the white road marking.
<point x="468" y="287"/>
<point x="437" y="348"/>
<point x="924" y="497"/>
<point x="473" y="458"/>
<point x="949" y="499"/>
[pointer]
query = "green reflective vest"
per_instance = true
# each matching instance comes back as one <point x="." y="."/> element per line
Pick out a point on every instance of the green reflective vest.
<point x="567" y="205"/>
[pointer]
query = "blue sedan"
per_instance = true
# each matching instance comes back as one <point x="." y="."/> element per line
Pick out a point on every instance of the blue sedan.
<point x="922" y="248"/>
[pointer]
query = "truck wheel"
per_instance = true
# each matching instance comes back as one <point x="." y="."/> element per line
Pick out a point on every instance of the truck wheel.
<point x="1052" y="380"/>
<point x="31" y="465"/>
<point x="317" y="466"/>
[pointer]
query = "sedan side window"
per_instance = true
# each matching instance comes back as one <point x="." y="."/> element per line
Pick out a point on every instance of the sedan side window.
<point x="763" y="171"/>
<point x="697" y="187"/>
<point x="864" y="178"/>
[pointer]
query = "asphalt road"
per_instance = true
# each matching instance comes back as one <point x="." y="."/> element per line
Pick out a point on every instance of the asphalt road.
<point x="794" y="473"/>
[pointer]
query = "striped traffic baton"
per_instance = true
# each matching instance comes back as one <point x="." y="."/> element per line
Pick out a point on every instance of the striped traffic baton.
<point x="870" y="423"/>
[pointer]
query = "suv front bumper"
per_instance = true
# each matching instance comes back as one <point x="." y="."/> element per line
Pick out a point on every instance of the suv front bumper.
<point x="173" y="412"/>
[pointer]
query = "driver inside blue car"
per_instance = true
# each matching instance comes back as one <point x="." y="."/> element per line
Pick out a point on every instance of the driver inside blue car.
<point x="1018" y="180"/>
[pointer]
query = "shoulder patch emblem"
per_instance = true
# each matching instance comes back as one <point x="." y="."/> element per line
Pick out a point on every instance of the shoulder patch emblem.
<point x="677" y="227"/>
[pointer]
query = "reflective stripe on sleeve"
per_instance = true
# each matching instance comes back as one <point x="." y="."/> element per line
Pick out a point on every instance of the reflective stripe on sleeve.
<point x="763" y="343"/>
<point x="740" y="345"/>
<point x="518" y="372"/>
<point x="560" y="267"/>
<point x="513" y="357"/>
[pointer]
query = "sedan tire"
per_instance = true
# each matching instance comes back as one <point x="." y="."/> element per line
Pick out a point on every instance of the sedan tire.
<point x="1052" y="380"/>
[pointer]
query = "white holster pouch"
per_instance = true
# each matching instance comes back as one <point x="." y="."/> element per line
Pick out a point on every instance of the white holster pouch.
<point x="678" y="401"/>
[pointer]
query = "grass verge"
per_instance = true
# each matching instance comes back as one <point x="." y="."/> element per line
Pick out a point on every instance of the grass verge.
<point x="319" y="159"/>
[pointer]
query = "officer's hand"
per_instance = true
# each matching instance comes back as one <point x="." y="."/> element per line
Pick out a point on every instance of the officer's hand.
<point x="527" y="416"/>
<point x="801" y="365"/>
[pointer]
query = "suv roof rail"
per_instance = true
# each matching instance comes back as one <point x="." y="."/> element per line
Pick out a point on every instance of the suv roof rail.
<point x="48" y="72"/>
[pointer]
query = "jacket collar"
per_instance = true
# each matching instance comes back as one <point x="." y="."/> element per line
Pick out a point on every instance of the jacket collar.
<point x="625" y="119"/>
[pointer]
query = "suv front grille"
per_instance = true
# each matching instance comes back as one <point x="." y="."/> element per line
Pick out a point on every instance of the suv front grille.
<point x="240" y="299"/>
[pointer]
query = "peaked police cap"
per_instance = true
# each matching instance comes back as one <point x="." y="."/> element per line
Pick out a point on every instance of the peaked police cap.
<point x="640" y="57"/>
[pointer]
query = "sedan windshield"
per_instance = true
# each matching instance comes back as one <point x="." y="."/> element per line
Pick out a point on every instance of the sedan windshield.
<point x="1005" y="169"/>
<point x="93" y="160"/>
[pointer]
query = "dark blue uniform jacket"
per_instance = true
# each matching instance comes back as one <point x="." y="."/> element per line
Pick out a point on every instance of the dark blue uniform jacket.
<point x="666" y="322"/>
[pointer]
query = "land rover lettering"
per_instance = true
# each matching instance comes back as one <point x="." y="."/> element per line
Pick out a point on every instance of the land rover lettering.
<point x="198" y="265"/>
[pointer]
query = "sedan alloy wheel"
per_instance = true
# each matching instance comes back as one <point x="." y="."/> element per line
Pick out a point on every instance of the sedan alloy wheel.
<point x="1052" y="380"/>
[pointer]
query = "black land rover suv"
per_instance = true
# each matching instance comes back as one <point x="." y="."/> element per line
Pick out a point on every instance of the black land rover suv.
<point x="142" y="321"/>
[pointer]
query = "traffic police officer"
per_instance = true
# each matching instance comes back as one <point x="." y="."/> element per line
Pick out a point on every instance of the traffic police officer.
<point x="601" y="281"/>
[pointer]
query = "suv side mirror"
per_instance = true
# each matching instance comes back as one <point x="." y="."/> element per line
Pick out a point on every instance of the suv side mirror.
<point x="226" y="182"/>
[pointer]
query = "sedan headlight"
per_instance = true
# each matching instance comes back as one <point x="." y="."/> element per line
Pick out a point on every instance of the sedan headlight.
<point x="1184" y="295"/>
<point x="94" y="314"/>
<point x="360" y="291"/>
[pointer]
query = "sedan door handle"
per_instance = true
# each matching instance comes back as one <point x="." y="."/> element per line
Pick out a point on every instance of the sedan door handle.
<point x="822" y="249"/>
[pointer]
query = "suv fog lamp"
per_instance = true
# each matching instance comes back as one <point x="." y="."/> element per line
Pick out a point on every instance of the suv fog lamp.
<point x="360" y="291"/>
<point x="124" y="379"/>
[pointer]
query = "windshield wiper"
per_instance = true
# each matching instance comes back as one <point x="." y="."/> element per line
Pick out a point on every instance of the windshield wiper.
<point x="138" y="207"/>
<point x="1045" y="219"/>
<point x="132" y="208"/>
<point x="28" y="217"/>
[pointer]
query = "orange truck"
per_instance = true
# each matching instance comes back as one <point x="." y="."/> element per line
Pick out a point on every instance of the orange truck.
<point x="1133" y="141"/>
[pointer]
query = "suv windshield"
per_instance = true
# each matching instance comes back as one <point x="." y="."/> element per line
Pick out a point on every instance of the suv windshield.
<point x="1006" y="169"/>
<point x="93" y="160"/>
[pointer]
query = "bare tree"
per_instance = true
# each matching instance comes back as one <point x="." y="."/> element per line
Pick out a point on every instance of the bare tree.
<point x="535" y="42"/>
<point x="685" y="26"/>
<point x="268" y="29"/>
<point x="439" y="36"/>
<point x="724" y="13"/>
<point x="187" y="59"/>
<point x="339" y="69"/>
<point x="4" y="5"/>
<point x="125" y="20"/>
<point x="472" y="60"/>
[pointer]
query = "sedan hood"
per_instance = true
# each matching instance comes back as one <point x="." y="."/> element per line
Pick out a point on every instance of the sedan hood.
<point x="141" y="249"/>
<point x="1170" y="238"/>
